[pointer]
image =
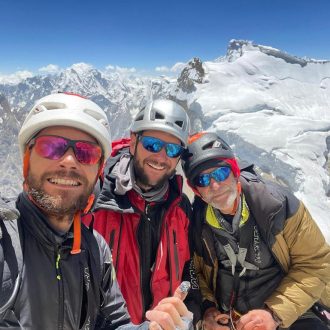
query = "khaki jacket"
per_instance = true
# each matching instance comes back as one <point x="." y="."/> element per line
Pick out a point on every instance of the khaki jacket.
<point x="296" y="243"/>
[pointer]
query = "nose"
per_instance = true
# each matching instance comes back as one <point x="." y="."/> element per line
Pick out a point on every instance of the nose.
<point x="162" y="153"/>
<point x="214" y="184"/>
<point x="69" y="160"/>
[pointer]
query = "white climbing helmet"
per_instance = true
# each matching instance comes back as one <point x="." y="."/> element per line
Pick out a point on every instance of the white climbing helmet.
<point x="66" y="109"/>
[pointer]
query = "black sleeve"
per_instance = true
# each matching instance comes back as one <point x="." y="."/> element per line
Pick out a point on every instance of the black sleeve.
<point x="194" y="298"/>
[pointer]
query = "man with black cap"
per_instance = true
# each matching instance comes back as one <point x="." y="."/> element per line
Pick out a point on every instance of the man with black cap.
<point x="260" y="258"/>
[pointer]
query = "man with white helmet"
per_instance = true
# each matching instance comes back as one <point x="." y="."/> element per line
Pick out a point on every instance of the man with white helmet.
<point x="142" y="212"/>
<point x="55" y="273"/>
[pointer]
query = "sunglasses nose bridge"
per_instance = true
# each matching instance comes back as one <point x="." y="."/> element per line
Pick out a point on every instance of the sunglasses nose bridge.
<point x="162" y="152"/>
<point x="214" y="181"/>
<point x="69" y="156"/>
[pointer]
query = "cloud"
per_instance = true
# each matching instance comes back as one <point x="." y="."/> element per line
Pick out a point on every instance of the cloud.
<point x="16" y="77"/>
<point x="177" y="67"/>
<point x="162" y="68"/>
<point x="50" y="68"/>
<point x="120" y="69"/>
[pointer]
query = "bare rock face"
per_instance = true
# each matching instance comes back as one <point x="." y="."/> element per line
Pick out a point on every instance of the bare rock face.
<point x="10" y="167"/>
<point x="191" y="74"/>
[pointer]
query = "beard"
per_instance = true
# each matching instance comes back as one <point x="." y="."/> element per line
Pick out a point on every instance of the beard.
<point x="63" y="202"/>
<point x="225" y="206"/>
<point x="143" y="179"/>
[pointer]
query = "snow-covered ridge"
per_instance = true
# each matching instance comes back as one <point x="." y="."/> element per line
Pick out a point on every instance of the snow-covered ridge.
<point x="274" y="109"/>
<point x="237" y="48"/>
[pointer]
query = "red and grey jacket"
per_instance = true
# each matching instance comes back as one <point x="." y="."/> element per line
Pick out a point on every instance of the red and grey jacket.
<point x="118" y="217"/>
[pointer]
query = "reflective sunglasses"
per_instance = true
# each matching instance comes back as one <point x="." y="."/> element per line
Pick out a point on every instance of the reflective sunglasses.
<point x="220" y="174"/>
<point x="54" y="147"/>
<point x="155" y="145"/>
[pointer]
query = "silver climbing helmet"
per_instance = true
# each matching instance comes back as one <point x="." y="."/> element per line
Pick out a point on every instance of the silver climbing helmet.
<point x="163" y="115"/>
<point x="66" y="109"/>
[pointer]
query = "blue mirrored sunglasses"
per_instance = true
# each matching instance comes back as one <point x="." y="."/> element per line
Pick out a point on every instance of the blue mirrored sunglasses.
<point x="220" y="174"/>
<point x="155" y="145"/>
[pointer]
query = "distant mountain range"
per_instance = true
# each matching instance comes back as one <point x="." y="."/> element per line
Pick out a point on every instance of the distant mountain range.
<point x="274" y="109"/>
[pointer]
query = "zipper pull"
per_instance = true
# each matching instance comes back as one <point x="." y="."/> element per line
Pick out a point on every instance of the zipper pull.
<point x="147" y="208"/>
<point x="57" y="266"/>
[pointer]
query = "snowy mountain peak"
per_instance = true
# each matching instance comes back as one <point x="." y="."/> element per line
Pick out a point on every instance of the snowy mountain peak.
<point x="237" y="49"/>
<point x="81" y="68"/>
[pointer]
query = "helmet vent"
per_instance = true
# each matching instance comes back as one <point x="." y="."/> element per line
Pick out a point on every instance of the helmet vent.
<point x="159" y="116"/>
<point x="179" y="123"/>
<point x="53" y="105"/>
<point x="93" y="114"/>
<point x="208" y="145"/>
<point x="139" y="116"/>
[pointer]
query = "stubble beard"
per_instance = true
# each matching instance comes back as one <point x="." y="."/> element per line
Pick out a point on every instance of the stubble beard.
<point x="143" y="180"/>
<point x="63" y="203"/>
<point x="226" y="206"/>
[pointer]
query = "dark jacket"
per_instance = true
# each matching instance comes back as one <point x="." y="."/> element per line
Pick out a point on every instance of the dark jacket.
<point x="144" y="236"/>
<point x="58" y="290"/>
<point x="291" y="236"/>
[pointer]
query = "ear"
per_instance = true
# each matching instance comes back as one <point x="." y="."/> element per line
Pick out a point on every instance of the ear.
<point x="132" y="143"/>
<point x="239" y="187"/>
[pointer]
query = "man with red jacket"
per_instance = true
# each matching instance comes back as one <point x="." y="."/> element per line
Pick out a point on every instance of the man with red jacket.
<point x="142" y="213"/>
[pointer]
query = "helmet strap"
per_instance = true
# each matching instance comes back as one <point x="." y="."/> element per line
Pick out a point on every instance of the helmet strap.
<point x="26" y="160"/>
<point x="137" y="138"/>
<point x="76" y="233"/>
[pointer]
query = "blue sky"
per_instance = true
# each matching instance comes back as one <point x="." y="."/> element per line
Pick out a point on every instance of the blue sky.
<point x="146" y="34"/>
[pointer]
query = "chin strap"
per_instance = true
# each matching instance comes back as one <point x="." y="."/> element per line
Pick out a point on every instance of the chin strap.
<point x="77" y="226"/>
<point x="26" y="160"/>
<point x="76" y="233"/>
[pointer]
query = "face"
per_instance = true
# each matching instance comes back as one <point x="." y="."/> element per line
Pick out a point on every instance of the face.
<point x="152" y="170"/>
<point x="61" y="186"/>
<point x="221" y="195"/>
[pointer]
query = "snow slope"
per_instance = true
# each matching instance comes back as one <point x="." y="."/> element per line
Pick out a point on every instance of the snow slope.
<point x="274" y="109"/>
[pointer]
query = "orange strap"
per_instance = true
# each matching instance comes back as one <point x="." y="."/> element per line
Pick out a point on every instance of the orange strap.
<point x="76" y="234"/>
<point x="26" y="160"/>
<point x="89" y="203"/>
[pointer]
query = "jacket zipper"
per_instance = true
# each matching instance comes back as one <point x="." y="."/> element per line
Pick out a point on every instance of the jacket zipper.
<point x="137" y="240"/>
<point x="118" y="245"/>
<point x="169" y="254"/>
<point x="60" y="290"/>
<point x="155" y="265"/>
<point x="174" y="204"/>
<point x="176" y="256"/>
<point x="147" y="207"/>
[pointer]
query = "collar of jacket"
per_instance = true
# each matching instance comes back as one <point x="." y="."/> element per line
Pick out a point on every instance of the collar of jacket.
<point x="37" y="225"/>
<point x="265" y="204"/>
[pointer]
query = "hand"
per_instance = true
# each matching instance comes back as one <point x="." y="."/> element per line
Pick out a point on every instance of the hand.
<point x="214" y="320"/>
<point x="168" y="314"/>
<point x="257" y="319"/>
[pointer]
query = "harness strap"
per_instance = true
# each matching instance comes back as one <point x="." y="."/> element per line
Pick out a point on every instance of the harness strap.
<point x="11" y="245"/>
